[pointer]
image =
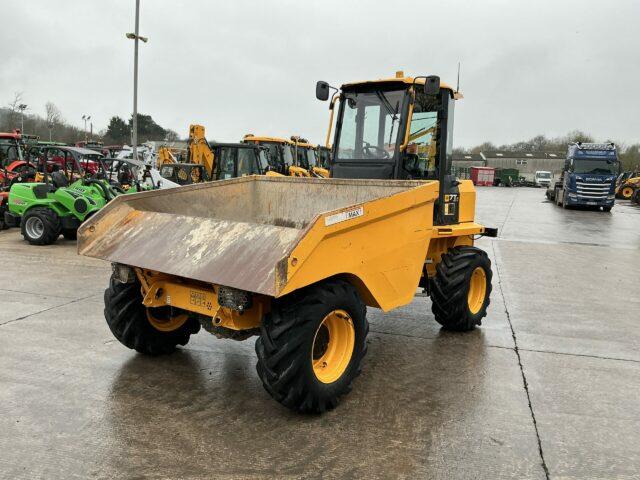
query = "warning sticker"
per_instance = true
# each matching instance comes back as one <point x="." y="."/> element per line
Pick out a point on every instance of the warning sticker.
<point x="343" y="216"/>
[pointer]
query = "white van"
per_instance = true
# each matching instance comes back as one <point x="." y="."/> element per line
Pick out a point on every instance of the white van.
<point x="542" y="178"/>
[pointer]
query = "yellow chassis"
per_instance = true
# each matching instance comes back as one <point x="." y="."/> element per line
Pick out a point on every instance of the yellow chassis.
<point x="378" y="235"/>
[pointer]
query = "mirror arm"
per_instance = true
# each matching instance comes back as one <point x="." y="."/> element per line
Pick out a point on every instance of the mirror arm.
<point x="334" y="99"/>
<point x="405" y="142"/>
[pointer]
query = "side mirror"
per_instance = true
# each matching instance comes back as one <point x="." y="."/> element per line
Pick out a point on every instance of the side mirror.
<point x="432" y="85"/>
<point x="322" y="91"/>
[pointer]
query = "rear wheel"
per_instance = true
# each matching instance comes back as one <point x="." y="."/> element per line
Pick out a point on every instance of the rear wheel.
<point x="461" y="288"/>
<point x="311" y="346"/>
<point x="152" y="331"/>
<point x="40" y="226"/>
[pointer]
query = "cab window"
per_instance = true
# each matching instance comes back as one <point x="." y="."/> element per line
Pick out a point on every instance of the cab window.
<point x="226" y="168"/>
<point x="246" y="162"/>
<point x="423" y="135"/>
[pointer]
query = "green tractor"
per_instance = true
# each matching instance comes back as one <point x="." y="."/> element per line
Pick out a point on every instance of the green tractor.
<point x="71" y="185"/>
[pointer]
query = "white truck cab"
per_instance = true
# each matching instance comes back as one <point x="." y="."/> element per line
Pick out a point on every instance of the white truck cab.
<point x="542" y="178"/>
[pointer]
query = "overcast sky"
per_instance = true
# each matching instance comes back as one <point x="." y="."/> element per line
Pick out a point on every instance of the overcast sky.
<point x="528" y="67"/>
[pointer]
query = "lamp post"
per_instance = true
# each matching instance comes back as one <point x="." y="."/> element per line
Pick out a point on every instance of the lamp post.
<point x="86" y="118"/>
<point x="22" y="107"/>
<point x="135" y="37"/>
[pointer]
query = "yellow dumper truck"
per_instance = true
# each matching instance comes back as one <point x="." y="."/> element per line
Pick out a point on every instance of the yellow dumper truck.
<point x="297" y="261"/>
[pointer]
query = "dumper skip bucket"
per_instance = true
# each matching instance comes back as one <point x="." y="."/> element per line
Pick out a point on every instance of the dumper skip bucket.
<point x="241" y="232"/>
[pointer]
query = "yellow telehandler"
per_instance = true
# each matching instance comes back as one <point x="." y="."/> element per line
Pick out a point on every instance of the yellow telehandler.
<point x="297" y="261"/>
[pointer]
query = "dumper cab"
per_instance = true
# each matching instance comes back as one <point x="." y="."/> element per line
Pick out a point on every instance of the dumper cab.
<point x="398" y="128"/>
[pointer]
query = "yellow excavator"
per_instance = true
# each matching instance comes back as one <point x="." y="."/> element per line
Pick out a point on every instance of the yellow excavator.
<point x="282" y="154"/>
<point x="212" y="161"/>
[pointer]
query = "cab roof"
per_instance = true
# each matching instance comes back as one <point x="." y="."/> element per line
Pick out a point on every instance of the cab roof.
<point x="76" y="150"/>
<point x="256" y="138"/>
<point x="400" y="78"/>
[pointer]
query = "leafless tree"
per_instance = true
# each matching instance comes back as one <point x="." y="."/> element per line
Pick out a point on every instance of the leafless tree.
<point x="53" y="114"/>
<point x="53" y="117"/>
<point x="17" y="100"/>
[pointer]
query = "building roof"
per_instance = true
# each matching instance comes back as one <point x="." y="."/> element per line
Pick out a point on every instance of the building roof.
<point x="467" y="157"/>
<point x="522" y="154"/>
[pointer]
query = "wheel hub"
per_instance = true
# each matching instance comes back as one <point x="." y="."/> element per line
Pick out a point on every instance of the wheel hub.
<point x="477" y="290"/>
<point x="34" y="227"/>
<point x="333" y="345"/>
<point x="165" y="319"/>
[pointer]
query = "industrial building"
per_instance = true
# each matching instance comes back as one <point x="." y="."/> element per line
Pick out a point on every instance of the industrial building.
<point x="528" y="163"/>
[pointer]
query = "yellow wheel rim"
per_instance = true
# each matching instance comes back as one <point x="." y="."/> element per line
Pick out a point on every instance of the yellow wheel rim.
<point x="627" y="192"/>
<point x="477" y="290"/>
<point x="333" y="345"/>
<point x="166" y="323"/>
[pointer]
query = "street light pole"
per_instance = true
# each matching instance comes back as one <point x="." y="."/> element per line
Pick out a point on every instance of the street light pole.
<point x="135" y="84"/>
<point x="135" y="37"/>
<point x="86" y="118"/>
<point x="22" y="107"/>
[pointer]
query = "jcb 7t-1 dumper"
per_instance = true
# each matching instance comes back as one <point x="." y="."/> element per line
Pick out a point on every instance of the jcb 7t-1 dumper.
<point x="297" y="261"/>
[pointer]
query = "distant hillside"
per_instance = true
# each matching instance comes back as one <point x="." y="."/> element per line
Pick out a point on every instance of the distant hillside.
<point x="37" y="125"/>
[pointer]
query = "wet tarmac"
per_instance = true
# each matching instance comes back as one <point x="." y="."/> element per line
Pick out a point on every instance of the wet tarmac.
<point x="548" y="387"/>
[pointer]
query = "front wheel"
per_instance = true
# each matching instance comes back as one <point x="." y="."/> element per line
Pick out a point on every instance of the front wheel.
<point x="311" y="346"/>
<point x="461" y="288"/>
<point x="152" y="331"/>
<point x="626" y="192"/>
<point x="40" y="226"/>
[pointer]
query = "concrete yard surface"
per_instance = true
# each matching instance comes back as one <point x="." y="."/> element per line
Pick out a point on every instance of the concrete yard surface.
<point x="548" y="387"/>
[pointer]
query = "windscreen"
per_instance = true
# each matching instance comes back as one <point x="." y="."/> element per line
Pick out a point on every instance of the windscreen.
<point x="323" y="158"/>
<point x="287" y="155"/>
<point x="306" y="158"/>
<point x="247" y="162"/>
<point x="370" y="125"/>
<point x="595" y="166"/>
<point x="263" y="160"/>
<point x="9" y="151"/>
<point x="273" y="154"/>
<point x="544" y="175"/>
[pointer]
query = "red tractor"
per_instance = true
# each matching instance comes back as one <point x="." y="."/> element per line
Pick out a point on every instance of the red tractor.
<point x="13" y="167"/>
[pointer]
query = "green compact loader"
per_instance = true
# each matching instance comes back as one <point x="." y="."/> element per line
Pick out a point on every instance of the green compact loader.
<point x="71" y="185"/>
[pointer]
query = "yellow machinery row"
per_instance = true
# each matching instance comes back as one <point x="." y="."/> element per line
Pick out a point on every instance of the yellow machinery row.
<point x="295" y="157"/>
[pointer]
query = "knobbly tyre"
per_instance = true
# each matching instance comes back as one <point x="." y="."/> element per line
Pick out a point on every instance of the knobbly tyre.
<point x="297" y="261"/>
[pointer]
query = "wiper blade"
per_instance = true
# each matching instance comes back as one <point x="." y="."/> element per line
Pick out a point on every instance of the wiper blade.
<point x="394" y="112"/>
